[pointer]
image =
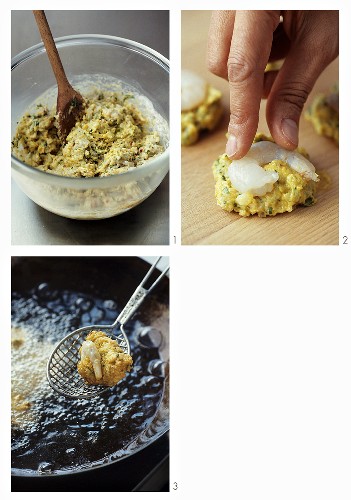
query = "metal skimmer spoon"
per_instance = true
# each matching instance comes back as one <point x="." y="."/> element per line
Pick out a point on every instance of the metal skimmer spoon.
<point x="62" y="370"/>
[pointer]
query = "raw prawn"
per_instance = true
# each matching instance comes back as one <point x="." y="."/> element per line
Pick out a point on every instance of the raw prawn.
<point x="248" y="176"/>
<point x="194" y="90"/>
<point x="90" y="351"/>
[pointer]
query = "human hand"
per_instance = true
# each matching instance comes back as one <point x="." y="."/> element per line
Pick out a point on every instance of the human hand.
<point x="240" y="45"/>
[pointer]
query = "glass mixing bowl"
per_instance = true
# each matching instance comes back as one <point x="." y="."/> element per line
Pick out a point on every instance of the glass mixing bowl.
<point x="86" y="56"/>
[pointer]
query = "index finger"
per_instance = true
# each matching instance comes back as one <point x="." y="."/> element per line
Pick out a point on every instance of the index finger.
<point x="249" y="53"/>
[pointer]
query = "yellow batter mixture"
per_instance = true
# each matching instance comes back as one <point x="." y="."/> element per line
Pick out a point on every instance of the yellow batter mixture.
<point x="112" y="137"/>
<point x="324" y="118"/>
<point x="203" y="117"/>
<point x="291" y="189"/>
<point x="114" y="362"/>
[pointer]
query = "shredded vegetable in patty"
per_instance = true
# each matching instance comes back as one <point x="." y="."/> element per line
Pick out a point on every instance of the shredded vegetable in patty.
<point x="112" y="137"/>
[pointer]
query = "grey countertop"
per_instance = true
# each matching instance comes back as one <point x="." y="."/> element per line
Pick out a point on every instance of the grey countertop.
<point x="150" y="27"/>
<point x="146" y="224"/>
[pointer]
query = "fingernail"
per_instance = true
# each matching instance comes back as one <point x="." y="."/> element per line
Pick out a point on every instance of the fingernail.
<point x="290" y="131"/>
<point x="231" y="146"/>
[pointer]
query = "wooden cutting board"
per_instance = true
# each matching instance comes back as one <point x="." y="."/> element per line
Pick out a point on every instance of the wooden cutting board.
<point x="203" y="222"/>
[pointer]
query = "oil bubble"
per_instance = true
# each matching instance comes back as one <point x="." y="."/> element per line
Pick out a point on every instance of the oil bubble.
<point x="84" y="304"/>
<point x="137" y="416"/>
<point x="45" y="468"/>
<point x="43" y="290"/>
<point x="86" y="319"/>
<point x="71" y="451"/>
<point x="110" y="304"/>
<point x="97" y="314"/>
<point x="157" y="367"/>
<point x="149" y="337"/>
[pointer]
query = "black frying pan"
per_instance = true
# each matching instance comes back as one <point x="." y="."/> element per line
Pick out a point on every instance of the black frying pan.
<point x="128" y="419"/>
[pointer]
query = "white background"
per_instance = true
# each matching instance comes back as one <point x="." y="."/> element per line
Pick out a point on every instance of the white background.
<point x="260" y="336"/>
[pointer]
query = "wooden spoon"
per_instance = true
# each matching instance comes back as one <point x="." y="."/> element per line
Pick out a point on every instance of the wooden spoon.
<point x="70" y="103"/>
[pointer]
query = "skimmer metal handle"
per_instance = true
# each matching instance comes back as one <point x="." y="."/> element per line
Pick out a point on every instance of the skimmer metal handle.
<point x="139" y="295"/>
